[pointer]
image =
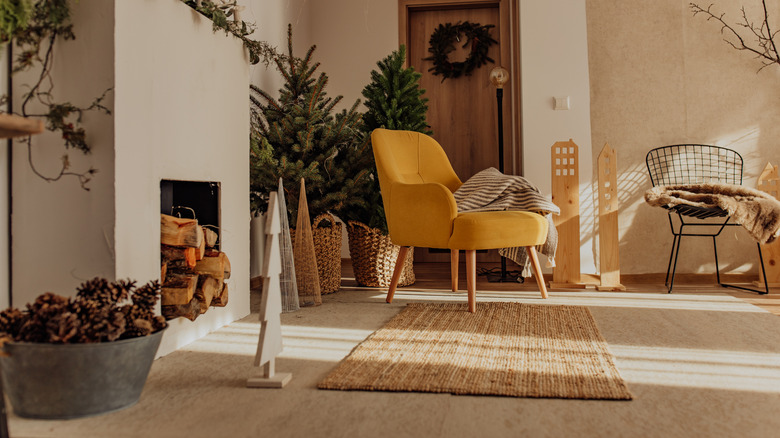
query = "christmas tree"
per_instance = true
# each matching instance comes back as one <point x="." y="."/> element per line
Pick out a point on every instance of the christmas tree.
<point x="393" y="101"/>
<point x="298" y="136"/>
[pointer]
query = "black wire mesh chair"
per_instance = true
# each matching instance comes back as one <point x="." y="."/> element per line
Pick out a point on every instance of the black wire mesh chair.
<point x="694" y="164"/>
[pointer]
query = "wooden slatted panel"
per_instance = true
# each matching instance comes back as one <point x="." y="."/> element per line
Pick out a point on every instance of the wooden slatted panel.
<point x="566" y="195"/>
<point x="769" y="182"/>
<point x="609" y="240"/>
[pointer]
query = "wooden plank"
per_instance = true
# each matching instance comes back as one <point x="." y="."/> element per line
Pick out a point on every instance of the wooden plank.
<point x="213" y="266"/>
<point x="566" y="195"/>
<point x="12" y="126"/>
<point x="222" y="299"/>
<point x="176" y="231"/>
<point x="609" y="238"/>
<point x="769" y="182"/>
<point x="211" y="237"/>
<point x="208" y="289"/>
<point x="179" y="290"/>
<point x="190" y="310"/>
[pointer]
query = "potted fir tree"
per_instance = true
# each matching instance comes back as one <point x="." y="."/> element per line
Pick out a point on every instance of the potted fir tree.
<point x="298" y="136"/>
<point x="394" y="101"/>
<point x="68" y="357"/>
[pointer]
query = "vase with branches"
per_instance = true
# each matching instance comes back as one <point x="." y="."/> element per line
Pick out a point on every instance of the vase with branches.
<point x="34" y="29"/>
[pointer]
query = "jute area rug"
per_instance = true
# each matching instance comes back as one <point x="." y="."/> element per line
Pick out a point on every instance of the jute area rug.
<point x="507" y="349"/>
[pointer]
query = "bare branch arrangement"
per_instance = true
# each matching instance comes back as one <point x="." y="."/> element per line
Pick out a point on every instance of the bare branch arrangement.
<point x="761" y="38"/>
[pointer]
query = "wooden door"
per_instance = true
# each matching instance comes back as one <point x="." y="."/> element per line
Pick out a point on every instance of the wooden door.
<point x="462" y="112"/>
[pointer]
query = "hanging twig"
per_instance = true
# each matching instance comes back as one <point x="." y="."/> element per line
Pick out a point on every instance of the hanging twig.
<point x="765" y="48"/>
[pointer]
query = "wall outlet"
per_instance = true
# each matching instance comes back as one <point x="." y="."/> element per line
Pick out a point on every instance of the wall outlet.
<point x="562" y="103"/>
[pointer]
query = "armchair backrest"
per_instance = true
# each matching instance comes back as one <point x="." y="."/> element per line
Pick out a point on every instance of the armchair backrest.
<point x="417" y="182"/>
<point x="410" y="157"/>
<point x="693" y="164"/>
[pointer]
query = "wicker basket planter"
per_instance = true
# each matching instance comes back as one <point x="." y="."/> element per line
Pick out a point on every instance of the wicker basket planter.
<point x="374" y="255"/>
<point x="327" y="245"/>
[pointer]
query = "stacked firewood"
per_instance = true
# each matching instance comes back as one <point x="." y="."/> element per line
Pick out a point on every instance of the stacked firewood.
<point x="193" y="270"/>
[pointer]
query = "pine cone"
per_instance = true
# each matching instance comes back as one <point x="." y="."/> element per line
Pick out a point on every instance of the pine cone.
<point x="11" y="321"/>
<point x="62" y="327"/>
<point x="145" y="297"/>
<point x="45" y="308"/>
<point x="101" y="290"/>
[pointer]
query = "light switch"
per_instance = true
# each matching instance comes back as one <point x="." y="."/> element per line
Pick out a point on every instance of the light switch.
<point x="562" y="103"/>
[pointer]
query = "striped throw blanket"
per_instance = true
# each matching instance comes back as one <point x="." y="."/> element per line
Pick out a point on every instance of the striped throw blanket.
<point x="491" y="190"/>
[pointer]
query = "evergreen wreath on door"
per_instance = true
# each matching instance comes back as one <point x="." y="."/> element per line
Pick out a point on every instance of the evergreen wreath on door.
<point x="443" y="41"/>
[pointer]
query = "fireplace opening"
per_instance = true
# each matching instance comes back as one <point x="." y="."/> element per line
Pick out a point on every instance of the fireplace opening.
<point x="194" y="270"/>
<point x="192" y="199"/>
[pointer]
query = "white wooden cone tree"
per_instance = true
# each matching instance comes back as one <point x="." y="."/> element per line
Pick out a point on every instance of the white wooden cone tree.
<point x="609" y="258"/>
<point x="769" y="182"/>
<point x="269" y="344"/>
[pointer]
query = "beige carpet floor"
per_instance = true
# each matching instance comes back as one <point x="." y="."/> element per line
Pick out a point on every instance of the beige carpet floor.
<point x="698" y="364"/>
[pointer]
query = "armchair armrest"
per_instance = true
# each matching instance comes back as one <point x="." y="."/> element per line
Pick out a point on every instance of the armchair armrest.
<point x="421" y="214"/>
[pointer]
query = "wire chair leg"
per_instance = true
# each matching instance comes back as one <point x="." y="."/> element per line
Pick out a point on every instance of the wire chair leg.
<point x="671" y="256"/>
<point x="749" y="289"/>
<point x="763" y="270"/>
<point x="674" y="266"/>
<point x="717" y="268"/>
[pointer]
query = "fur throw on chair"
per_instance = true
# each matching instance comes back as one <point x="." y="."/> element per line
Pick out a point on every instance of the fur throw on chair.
<point x="756" y="211"/>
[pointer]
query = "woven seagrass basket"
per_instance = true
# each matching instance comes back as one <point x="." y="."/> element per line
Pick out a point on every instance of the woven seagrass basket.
<point x="327" y="245"/>
<point x="374" y="256"/>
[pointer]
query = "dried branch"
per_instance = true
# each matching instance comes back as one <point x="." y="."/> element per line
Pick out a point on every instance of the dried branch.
<point x="762" y="41"/>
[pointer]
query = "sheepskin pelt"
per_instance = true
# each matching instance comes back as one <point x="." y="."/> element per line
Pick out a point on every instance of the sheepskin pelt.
<point x="756" y="211"/>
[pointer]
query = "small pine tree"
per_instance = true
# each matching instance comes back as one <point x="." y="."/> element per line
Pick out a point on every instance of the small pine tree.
<point x="394" y="101"/>
<point x="297" y="136"/>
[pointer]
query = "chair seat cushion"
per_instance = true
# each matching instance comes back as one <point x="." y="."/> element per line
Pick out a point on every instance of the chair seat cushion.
<point x="497" y="229"/>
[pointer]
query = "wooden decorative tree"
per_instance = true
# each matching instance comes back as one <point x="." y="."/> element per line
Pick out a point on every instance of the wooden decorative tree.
<point x="269" y="344"/>
<point x="609" y="255"/>
<point x="566" y="195"/>
<point x="305" y="256"/>
<point x="769" y="182"/>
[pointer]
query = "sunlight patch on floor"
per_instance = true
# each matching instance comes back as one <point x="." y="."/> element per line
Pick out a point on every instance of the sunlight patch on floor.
<point x="699" y="368"/>
<point x="300" y="342"/>
<point x="703" y="302"/>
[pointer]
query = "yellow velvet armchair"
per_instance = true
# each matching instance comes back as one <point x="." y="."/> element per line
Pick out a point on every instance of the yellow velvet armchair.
<point x="417" y="183"/>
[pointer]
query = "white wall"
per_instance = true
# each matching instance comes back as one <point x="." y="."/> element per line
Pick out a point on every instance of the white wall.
<point x="367" y="31"/>
<point x="554" y="63"/>
<point x="181" y="113"/>
<point x="271" y="18"/>
<point x="62" y="234"/>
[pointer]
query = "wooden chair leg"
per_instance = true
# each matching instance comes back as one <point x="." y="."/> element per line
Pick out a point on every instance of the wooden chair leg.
<point x="471" y="278"/>
<point x="399" y="268"/>
<point x="537" y="270"/>
<point x="454" y="256"/>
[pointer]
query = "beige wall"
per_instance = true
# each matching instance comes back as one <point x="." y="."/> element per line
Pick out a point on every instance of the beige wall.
<point x="63" y="235"/>
<point x="661" y="76"/>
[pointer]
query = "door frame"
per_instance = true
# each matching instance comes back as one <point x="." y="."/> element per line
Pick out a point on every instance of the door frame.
<point x="508" y="12"/>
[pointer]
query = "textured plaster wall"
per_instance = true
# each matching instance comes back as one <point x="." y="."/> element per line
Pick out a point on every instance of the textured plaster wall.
<point x="661" y="76"/>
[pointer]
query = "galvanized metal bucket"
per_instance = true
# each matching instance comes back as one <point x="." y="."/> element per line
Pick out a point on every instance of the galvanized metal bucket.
<point x="60" y="381"/>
